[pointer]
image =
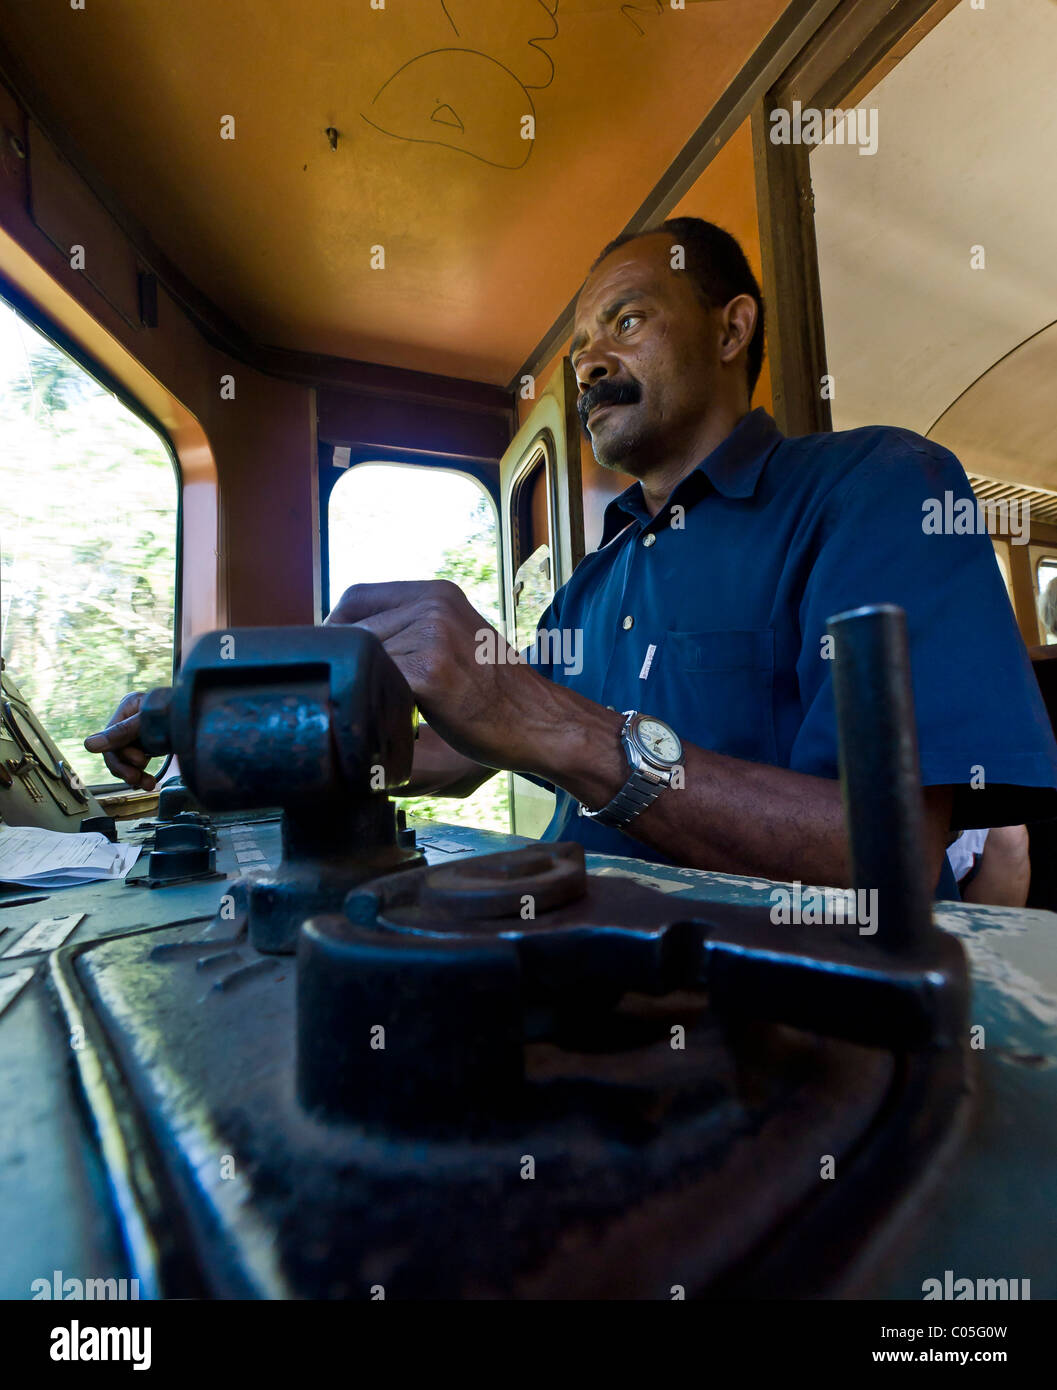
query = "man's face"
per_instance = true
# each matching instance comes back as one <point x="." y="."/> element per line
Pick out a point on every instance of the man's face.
<point x="646" y="355"/>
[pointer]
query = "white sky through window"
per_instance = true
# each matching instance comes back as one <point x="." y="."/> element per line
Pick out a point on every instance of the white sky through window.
<point x="390" y="521"/>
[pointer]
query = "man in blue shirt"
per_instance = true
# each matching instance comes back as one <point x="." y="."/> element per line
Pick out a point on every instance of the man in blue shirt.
<point x="704" y="609"/>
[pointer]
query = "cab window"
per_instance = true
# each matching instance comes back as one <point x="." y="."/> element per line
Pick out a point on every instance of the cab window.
<point x="88" y="552"/>
<point x="402" y="521"/>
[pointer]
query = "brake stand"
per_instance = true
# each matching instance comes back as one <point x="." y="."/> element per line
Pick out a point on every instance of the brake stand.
<point x="613" y="1026"/>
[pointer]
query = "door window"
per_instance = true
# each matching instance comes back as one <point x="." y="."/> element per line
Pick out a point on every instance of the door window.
<point x="401" y="521"/>
<point x="530" y="524"/>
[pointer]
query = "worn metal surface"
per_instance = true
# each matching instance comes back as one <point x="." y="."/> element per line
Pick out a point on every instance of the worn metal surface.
<point x="58" y="1207"/>
<point x="613" y="1127"/>
<point x="55" y="1207"/>
<point x="991" y="1211"/>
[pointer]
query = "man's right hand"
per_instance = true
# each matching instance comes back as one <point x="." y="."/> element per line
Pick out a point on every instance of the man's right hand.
<point x="119" y="744"/>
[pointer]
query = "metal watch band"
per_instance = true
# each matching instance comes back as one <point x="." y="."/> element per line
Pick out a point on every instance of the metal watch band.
<point x="637" y="793"/>
<point x="640" y="791"/>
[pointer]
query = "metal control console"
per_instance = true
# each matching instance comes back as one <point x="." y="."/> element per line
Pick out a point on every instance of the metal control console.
<point x="317" y="1060"/>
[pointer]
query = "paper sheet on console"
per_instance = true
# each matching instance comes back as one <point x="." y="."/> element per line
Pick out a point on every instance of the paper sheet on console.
<point x="38" y="858"/>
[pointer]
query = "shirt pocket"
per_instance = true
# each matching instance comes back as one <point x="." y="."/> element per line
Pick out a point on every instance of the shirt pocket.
<point x="719" y="688"/>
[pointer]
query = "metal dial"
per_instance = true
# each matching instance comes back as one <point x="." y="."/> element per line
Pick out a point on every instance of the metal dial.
<point x="658" y="741"/>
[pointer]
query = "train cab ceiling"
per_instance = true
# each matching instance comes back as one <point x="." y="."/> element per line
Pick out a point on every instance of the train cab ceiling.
<point x="400" y="127"/>
<point x="1005" y="424"/>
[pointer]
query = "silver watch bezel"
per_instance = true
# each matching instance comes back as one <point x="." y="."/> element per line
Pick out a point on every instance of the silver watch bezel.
<point x="644" y="760"/>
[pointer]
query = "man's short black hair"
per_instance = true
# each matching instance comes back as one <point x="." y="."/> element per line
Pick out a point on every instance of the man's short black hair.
<point x="717" y="266"/>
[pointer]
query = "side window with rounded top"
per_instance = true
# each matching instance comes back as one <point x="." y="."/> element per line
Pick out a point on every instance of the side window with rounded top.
<point x="87" y="588"/>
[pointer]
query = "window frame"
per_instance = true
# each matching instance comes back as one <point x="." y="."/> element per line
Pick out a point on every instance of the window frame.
<point x="1004" y="560"/>
<point x="853" y="42"/>
<point x="1041" y="553"/>
<point x="47" y="328"/>
<point x="539" y="455"/>
<point x="330" y="473"/>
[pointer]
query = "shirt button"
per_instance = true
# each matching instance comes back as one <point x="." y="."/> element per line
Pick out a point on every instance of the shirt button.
<point x="650" y="539"/>
<point x="629" y="622"/>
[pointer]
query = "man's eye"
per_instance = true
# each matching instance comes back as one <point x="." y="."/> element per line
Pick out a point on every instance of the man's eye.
<point x="626" y="318"/>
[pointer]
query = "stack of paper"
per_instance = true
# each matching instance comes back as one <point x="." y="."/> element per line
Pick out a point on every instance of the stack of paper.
<point x="54" y="859"/>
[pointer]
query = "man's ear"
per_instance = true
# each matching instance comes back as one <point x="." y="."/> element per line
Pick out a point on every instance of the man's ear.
<point x="738" y="323"/>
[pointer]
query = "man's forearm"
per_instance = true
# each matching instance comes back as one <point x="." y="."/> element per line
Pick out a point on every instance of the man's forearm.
<point x="438" y="770"/>
<point x="730" y="815"/>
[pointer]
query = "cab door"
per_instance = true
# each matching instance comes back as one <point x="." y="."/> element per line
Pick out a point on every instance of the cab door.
<point x="543" y="539"/>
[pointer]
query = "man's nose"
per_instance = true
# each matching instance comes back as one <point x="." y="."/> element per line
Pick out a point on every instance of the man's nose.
<point x="592" y="367"/>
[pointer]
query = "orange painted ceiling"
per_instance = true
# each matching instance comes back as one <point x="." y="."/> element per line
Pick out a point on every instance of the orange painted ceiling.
<point x="486" y="236"/>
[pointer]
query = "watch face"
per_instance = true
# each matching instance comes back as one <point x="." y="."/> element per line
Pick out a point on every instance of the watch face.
<point x="658" y="741"/>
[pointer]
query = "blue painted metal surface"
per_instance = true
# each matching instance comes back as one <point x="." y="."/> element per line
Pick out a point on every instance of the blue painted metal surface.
<point x="992" y="1213"/>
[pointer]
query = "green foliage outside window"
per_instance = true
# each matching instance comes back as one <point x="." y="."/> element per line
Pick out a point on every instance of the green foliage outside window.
<point x="474" y="566"/>
<point x="88" y="507"/>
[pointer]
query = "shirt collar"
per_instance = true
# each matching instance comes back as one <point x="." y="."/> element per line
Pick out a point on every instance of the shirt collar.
<point x="733" y="468"/>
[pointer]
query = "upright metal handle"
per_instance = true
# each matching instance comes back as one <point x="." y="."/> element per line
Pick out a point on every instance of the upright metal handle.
<point x="879" y="771"/>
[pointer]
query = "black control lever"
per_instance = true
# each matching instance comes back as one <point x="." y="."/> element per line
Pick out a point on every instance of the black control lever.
<point x="879" y="771"/>
<point x="318" y="721"/>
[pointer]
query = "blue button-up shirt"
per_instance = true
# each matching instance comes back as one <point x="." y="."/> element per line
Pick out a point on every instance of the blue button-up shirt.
<point x="711" y="615"/>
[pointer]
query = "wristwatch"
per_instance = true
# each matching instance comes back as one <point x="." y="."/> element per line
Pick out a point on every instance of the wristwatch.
<point x="654" y="752"/>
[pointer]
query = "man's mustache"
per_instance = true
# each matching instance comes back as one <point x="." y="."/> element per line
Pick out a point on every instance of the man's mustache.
<point x="607" y="392"/>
